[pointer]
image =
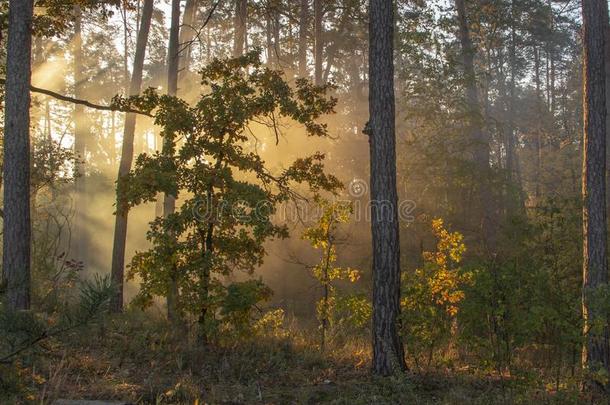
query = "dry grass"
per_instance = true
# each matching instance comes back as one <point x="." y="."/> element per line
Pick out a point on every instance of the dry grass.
<point x="137" y="359"/>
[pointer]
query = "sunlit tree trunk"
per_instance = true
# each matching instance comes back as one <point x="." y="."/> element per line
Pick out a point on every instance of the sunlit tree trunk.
<point x="275" y="25"/>
<point x="187" y="34"/>
<point x="596" y="350"/>
<point x="269" y="36"/>
<point x="16" y="170"/>
<point x="241" y="27"/>
<point x="125" y="47"/>
<point x="80" y="135"/>
<point x="273" y="34"/>
<point x="303" y="35"/>
<point x="388" y="352"/>
<point x="318" y="6"/>
<point x="331" y="51"/>
<point x="122" y="209"/>
<point x="169" y="201"/>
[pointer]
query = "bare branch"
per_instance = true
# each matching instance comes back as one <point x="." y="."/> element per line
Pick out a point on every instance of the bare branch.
<point x="82" y="102"/>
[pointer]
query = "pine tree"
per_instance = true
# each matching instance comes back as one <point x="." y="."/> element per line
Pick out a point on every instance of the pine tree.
<point x="388" y="352"/>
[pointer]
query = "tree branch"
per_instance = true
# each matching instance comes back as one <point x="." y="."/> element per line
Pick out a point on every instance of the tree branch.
<point x="82" y="102"/>
<point x="197" y="37"/>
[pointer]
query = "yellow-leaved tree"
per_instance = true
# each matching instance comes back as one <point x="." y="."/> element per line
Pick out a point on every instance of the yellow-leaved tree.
<point x="433" y="293"/>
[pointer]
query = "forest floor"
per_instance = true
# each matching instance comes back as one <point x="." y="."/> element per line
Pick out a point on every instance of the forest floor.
<point x="140" y="361"/>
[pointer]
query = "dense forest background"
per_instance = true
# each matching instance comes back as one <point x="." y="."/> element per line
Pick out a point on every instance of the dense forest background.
<point x="201" y="206"/>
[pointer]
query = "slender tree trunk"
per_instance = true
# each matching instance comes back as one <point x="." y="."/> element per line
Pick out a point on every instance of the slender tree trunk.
<point x="537" y="191"/>
<point x="169" y="201"/>
<point x="596" y="352"/>
<point x="269" y="36"/>
<point x="187" y="34"/>
<point x="512" y="162"/>
<point x="478" y="138"/>
<point x="125" y="47"/>
<point x="80" y="135"/>
<point x="303" y="34"/>
<point x="122" y="209"/>
<point x="273" y="34"/>
<point x="275" y="25"/>
<point x="551" y="60"/>
<point x="331" y="51"/>
<point x="241" y="27"/>
<point x="607" y="67"/>
<point x="510" y="144"/>
<point x="318" y="6"/>
<point x="388" y="352"/>
<point x="16" y="170"/>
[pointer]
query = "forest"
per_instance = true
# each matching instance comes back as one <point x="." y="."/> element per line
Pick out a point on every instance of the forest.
<point x="304" y="202"/>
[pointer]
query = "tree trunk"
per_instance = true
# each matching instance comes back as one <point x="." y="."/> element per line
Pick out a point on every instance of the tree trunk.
<point x="187" y="34"/>
<point x="477" y="137"/>
<point x="303" y="34"/>
<point x="318" y="40"/>
<point x="551" y="61"/>
<point x="169" y="201"/>
<point x="607" y="67"/>
<point x="275" y="20"/>
<point x="595" y="355"/>
<point x="16" y="170"/>
<point x="241" y="27"/>
<point x="512" y="162"/>
<point x="269" y="36"/>
<point x="388" y="352"/>
<point x="122" y="209"/>
<point x="80" y="134"/>
<point x="539" y="101"/>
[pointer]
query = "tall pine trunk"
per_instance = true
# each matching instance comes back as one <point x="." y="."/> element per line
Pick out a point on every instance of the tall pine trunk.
<point x="303" y="34"/>
<point x="122" y="209"/>
<point x="80" y="135"/>
<point x="187" y="35"/>
<point x="596" y="352"/>
<point x="607" y="67"/>
<point x="318" y="9"/>
<point x="169" y="201"/>
<point x="388" y="352"/>
<point x="16" y="170"/>
<point x="512" y="162"/>
<point x="538" y="140"/>
<point x="241" y="26"/>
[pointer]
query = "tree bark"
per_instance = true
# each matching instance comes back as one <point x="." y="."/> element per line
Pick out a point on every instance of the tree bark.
<point x="512" y="162"/>
<point x="241" y="27"/>
<point x="303" y="34"/>
<point x="187" y="34"/>
<point x="607" y="67"/>
<point x="275" y="20"/>
<point x="169" y="201"/>
<point x="269" y="36"/>
<point x="596" y="352"/>
<point x="388" y="352"/>
<point x="80" y="135"/>
<point x="539" y="110"/>
<point x="16" y="170"/>
<point x="122" y="209"/>
<point x="318" y="6"/>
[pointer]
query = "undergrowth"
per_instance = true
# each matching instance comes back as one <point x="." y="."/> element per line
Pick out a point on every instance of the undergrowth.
<point x="137" y="357"/>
